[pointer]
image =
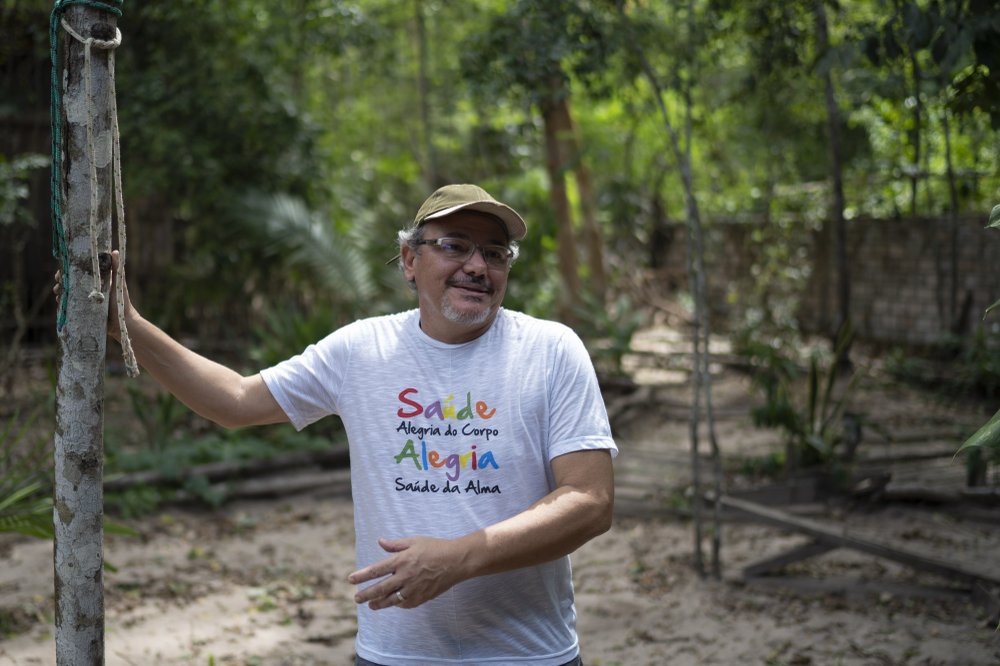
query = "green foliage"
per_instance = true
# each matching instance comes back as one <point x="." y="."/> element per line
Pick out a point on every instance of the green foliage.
<point x="25" y="510"/>
<point x="767" y="466"/>
<point x="25" y="503"/>
<point x="988" y="437"/>
<point x="818" y="431"/>
<point x="287" y="331"/>
<point x="14" y="187"/>
<point x="184" y="451"/>
<point x="994" y="223"/>
<point x="960" y="366"/>
<point x="608" y="331"/>
<point x="160" y="416"/>
<point x="316" y="259"/>
<point x="529" y="51"/>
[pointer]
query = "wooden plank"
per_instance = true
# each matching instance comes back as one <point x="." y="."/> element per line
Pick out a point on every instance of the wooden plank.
<point x="850" y="587"/>
<point x="843" y="538"/>
<point x="771" y="564"/>
<point x="793" y="491"/>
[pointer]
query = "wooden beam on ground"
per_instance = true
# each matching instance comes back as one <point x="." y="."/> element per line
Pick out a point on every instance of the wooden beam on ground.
<point x="843" y="538"/>
<point x="849" y="587"/>
<point x="772" y="564"/>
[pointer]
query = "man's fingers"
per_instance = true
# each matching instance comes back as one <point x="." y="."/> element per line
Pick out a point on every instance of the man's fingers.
<point x="377" y="570"/>
<point x="393" y="546"/>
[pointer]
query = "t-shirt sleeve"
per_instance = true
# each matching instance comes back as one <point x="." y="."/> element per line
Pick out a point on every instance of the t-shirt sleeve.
<point x="578" y="417"/>
<point x="306" y="386"/>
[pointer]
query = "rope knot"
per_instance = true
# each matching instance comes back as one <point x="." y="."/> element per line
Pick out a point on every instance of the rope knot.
<point x="106" y="44"/>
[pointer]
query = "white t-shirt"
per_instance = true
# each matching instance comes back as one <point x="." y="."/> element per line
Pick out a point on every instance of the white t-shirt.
<point x="446" y="439"/>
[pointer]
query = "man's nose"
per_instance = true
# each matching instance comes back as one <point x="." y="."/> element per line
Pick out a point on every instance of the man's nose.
<point x="476" y="264"/>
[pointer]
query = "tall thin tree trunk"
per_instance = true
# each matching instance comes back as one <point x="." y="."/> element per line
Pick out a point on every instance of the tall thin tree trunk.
<point x="554" y="121"/>
<point x="572" y="152"/>
<point x="837" y="203"/>
<point x="954" y="311"/>
<point x="918" y="139"/>
<point x="79" y="446"/>
<point x="701" y="380"/>
<point x="423" y="92"/>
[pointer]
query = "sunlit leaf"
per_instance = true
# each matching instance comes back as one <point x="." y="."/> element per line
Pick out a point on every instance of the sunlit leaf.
<point x="995" y="217"/>
<point x="987" y="436"/>
<point x="990" y="308"/>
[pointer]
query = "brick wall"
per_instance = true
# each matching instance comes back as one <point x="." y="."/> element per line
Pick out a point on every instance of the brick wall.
<point x="900" y="270"/>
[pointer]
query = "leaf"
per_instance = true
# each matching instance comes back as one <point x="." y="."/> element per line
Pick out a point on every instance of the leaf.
<point x="817" y="442"/>
<point x="121" y="529"/>
<point x="994" y="217"/>
<point x="18" y="495"/>
<point x="987" y="436"/>
<point x="990" y="308"/>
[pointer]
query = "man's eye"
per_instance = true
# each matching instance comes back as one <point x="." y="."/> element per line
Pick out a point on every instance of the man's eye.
<point x="495" y="253"/>
<point x="454" y="246"/>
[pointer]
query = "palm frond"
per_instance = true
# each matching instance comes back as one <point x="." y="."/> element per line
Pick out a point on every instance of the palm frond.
<point x="303" y="239"/>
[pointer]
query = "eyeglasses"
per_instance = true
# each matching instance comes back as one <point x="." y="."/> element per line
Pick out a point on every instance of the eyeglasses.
<point x="460" y="249"/>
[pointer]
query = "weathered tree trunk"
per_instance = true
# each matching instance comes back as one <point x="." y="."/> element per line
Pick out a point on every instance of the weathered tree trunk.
<point x="956" y="318"/>
<point x="79" y="451"/>
<point x="918" y="138"/>
<point x="431" y="175"/>
<point x="838" y="202"/>
<point x="572" y="158"/>
<point x="701" y="378"/>
<point x="555" y="126"/>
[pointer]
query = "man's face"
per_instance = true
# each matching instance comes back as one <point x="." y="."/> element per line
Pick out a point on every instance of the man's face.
<point x="458" y="299"/>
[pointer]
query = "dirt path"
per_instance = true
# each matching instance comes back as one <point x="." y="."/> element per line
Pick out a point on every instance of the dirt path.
<point x="261" y="583"/>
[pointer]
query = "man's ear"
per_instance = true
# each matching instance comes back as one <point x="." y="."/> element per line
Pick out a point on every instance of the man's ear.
<point x="408" y="255"/>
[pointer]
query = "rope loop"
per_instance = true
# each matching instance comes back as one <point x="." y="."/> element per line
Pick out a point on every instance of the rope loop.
<point x="106" y="44"/>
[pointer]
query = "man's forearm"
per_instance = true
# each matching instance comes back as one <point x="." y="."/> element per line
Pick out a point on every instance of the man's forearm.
<point x="554" y="526"/>
<point x="420" y="568"/>
<point x="210" y="389"/>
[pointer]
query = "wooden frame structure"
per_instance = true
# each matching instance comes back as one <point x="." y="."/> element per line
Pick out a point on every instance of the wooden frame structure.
<point x="979" y="584"/>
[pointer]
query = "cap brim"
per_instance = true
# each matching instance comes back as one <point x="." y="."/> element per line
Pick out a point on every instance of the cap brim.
<point x="513" y="224"/>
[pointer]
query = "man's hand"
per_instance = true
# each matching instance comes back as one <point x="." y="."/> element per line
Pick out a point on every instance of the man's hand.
<point x="419" y="569"/>
<point x="130" y="313"/>
<point x="106" y="275"/>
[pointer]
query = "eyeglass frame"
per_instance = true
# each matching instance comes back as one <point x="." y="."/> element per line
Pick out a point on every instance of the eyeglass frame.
<point x="511" y="250"/>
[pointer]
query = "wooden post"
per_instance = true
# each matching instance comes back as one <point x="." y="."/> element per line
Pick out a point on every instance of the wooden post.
<point x="79" y="445"/>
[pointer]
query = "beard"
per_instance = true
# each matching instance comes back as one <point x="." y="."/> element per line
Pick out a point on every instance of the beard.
<point x="465" y="317"/>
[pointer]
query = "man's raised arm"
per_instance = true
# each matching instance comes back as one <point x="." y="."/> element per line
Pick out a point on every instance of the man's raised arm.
<point x="210" y="389"/>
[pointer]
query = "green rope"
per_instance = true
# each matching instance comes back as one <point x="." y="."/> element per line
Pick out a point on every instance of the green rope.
<point x="60" y="248"/>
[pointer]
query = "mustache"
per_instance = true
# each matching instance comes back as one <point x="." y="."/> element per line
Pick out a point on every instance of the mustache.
<point x="480" y="282"/>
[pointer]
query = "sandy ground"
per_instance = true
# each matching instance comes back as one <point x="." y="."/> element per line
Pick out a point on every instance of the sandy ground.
<point x="262" y="583"/>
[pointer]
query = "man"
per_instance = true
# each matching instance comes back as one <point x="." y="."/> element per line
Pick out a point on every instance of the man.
<point x="480" y="446"/>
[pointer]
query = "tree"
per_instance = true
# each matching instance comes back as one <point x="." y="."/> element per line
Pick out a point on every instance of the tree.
<point x="83" y="185"/>
<point x="945" y="47"/>
<point x="681" y="144"/>
<point x="837" y="201"/>
<point x="530" y="52"/>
